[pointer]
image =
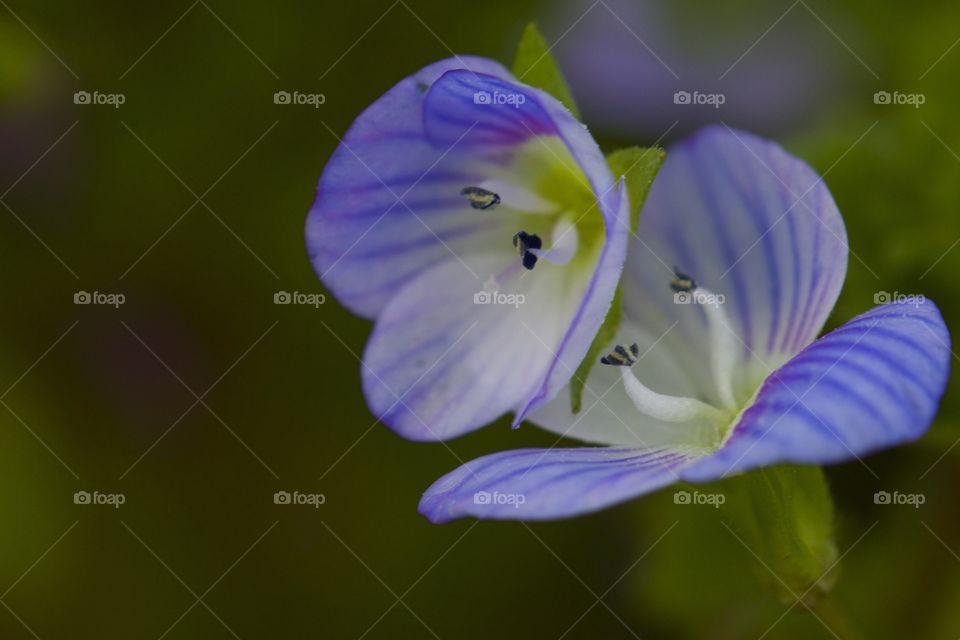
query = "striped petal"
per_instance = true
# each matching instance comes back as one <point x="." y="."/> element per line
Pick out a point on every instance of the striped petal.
<point x="447" y="357"/>
<point x="873" y="383"/>
<point x="388" y="203"/>
<point x="455" y="113"/>
<point x="484" y="111"/>
<point x="748" y="221"/>
<point x="544" y="484"/>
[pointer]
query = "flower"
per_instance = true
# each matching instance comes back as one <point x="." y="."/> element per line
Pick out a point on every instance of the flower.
<point x="772" y="88"/>
<point x="723" y="373"/>
<point x="477" y="222"/>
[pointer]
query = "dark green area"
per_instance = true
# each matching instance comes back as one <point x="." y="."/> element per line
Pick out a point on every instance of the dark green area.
<point x="116" y="202"/>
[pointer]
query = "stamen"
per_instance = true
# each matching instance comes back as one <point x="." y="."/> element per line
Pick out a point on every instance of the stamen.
<point x="524" y="243"/>
<point x="621" y="357"/>
<point x="516" y="194"/>
<point x="657" y="405"/>
<point x="480" y="198"/>
<point x="723" y="347"/>
<point x="682" y="283"/>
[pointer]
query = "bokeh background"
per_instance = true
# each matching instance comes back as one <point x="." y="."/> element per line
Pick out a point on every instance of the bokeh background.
<point x="199" y="398"/>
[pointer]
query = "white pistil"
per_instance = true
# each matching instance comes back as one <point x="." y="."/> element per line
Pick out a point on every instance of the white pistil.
<point x="518" y="196"/>
<point x="565" y="241"/>
<point x="664" y="407"/>
<point x="723" y="345"/>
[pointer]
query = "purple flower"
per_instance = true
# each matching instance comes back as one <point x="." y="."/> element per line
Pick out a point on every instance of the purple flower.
<point x="716" y="370"/>
<point x="477" y="222"/>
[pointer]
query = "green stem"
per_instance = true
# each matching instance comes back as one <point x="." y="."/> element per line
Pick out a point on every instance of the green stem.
<point x="835" y="618"/>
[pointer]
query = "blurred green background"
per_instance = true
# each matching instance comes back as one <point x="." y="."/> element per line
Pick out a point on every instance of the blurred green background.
<point x="199" y="398"/>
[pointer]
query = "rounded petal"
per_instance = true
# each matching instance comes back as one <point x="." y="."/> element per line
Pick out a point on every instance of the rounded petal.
<point x="388" y="203"/>
<point x="453" y="112"/>
<point x="437" y="365"/>
<point x="465" y="106"/>
<point x="447" y="357"/>
<point x="545" y="484"/>
<point x="748" y="221"/>
<point x="875" y="382"/>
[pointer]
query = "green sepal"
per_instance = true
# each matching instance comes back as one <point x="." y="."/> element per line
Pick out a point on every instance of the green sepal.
<point x="535" y="65"/>
<point x="785" y="516"/>
<point x="638" y="166"/>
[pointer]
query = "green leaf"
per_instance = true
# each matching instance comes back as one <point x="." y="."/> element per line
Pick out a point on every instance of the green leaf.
<point x="639" y="166"/>
<point x="535" y="66"/>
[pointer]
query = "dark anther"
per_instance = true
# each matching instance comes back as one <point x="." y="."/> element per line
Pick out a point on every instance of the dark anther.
<point x="682" y="283"/>
<point x="480" y="198"/>
<point x="523" y="242"/>
<point x="620" y="357"/>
